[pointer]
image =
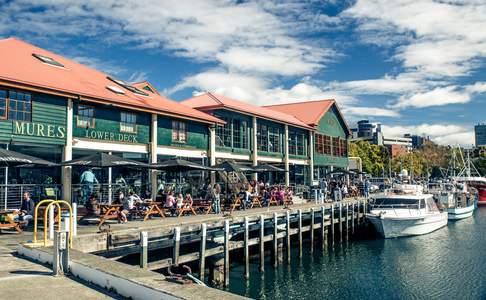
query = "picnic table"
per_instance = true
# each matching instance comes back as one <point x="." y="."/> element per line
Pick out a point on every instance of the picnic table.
<point x="7" y="220"/>
<point x="273" y="201"/>
<point x="202" y="205"/>
<point x="256" y="200"/>
<point x="186" y="208"/>
<point x="109" y="211"/>
<point x="152" y="208"/>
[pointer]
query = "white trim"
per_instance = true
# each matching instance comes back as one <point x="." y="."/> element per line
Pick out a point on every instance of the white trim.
<point x="229" y="155"/>
<point x="182" y="152"/>
<point x="270" y="159"/>
<point x="304" y="162"/>
<point x="108" y="146"/>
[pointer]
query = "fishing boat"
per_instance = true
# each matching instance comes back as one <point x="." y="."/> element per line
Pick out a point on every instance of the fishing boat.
<point x="455" y="198"/>
<point x="406" y="211"/>
<point x="479" y="183"/>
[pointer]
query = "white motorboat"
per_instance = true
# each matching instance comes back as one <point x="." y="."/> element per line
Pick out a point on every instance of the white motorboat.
<point x="406" y="211"/>
<point x="455" y="198"/>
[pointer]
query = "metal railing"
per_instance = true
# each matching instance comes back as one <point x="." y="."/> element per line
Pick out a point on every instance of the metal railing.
<point x="104" y="192"/>
<point x="11" y="194"/>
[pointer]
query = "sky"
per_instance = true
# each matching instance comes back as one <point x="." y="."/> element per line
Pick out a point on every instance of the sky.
<point x="416" y="66"/>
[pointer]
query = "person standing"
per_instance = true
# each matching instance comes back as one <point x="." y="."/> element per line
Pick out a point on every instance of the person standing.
<point x="366" y="188"/>
<point x="216" y="199"/>
<point x="88" y="180"/>
<point x="323" y="190"/>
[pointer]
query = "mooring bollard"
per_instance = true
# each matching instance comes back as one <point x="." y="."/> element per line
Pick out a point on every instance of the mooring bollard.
<point x="143" y="249"/>
<point x="262" y="243"/>
<point x="247" y="248"/>
<point x="60" y="262"/>
<point x="176" y="247"/>
<point x="202" y="252"/>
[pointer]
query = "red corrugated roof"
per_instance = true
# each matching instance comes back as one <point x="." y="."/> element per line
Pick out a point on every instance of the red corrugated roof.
<point x="18" y="66"/>
<point x="208" y="101"/>
<point x="309" y="112"/>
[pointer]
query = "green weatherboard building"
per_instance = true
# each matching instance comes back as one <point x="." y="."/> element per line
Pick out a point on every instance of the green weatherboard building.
<point x="59" y="117"/>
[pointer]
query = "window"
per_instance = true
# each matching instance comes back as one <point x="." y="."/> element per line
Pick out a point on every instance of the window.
<point x="292" y="143"/>
<point x="127" y="85"/>
<point x="327" y="143"/>
<point x="19" y="106"/>
<point x="47" y="60"/>
<point x="85" y="117"/>
<point x="3" y="104"/>
<point x="335" y="146"/>
<point x="300" y="144"/>
<point x="223" y="133"/>
<point x="244" y="134"/>
<point x="274" y="139"/>
<point x="128" y="122"/>
<point x="236" y="133"/>
<point x="179" y="133"/>
<point x="324" y="144"/>
<point x="262" y="137"/>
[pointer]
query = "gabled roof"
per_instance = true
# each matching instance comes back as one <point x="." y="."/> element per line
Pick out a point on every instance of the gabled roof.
<point x="209" y="101"/>
<point x="19" y="68"/>
<point x="309" y="112"/>
<point x="142" y="85"/>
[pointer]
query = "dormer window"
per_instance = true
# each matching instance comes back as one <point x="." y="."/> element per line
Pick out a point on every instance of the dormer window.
<point x="128" y="86"/>
<point x="115" y="89"/>
<point x="47" y="60"/>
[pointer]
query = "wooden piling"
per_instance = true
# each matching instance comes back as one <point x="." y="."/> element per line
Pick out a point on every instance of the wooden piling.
<point x="346" y="218"/>
<point x="340" y="221"/>
<point x="275" y="240"/>
<point x="247" y="249"/>
<point x="262" y="243"/>
<point x="177" y="244"/>
<point x="143" y="249"/>
<point x="202" y="251"/>
<point x="323" y="228"/>
<point x="226" y="252"/>
<point x="332" y="224"/>
<point x="300" y="232"/>
<point x="352" y="219"/>
<point x="312" y="230"/>
<point x="287" y="227"/>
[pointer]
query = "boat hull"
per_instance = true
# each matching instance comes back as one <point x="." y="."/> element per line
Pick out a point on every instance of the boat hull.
<point x="390" y="227"/>
<point x="460" y="213"/>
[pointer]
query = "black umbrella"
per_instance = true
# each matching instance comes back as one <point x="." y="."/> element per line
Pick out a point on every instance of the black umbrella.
<point x="268" y="168"/>
<point x="229" y="166"/>
<point x="14" y="159"/>
<point x="341" y="172"/>
<point x="103" y="160"/>
<point x="180" y="165"/>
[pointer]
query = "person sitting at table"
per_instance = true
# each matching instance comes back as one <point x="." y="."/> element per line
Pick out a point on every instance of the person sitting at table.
<point x="92" y="206"/>
<point x="27" y="208"/>
<point x="170" y="201"/>
<point x="188" y="201"/>
<point x="280" y="194"/>
<point x="289" y="195"/>
<point x="243" y="194"/>
<point x="120" y="198"/>
<point x="179" y="200"/>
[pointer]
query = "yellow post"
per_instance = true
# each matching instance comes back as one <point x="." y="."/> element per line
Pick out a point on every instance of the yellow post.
<point x="35" y="215"/>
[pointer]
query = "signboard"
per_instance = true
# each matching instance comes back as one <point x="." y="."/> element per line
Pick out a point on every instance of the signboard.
<point x="110" y="136"/>
<point x="39" y="129"/>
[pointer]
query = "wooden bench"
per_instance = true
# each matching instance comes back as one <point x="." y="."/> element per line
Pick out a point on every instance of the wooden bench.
<point x="256" y="200"/>
<point x="109" y="212"/>
<point x="203" y="206"/>
<point x="272" y="201"/>
<point x="154" y="209"/>
<point x="9" y="222"/>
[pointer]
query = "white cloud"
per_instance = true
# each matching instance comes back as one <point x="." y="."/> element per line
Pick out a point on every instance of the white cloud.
<point x="444" y="134"/>
<point x="370" y="111"/>
<point x="239" y="36"/>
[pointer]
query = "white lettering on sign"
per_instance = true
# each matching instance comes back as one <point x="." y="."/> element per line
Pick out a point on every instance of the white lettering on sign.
<point x="110" y="136"/>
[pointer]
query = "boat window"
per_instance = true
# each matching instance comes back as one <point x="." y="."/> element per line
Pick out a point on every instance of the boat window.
<point x="382" y="202"/>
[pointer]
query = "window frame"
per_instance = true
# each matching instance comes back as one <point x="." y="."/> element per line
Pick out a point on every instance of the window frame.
<point x="178" y="131"/>
<point x="93" y="119"/>
<point x="8" y="99"/>
<point x="122" y="123"/>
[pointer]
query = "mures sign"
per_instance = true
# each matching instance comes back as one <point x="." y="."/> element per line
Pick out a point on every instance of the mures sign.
<point x="110" y="136"/>
<point x="39" y="129"/>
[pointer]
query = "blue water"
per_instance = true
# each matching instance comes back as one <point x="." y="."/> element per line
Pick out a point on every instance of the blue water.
<point x="447" y="264"/>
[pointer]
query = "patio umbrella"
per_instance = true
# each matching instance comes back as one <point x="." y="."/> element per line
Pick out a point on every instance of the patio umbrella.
<point x="15" y="159"/>
<point x="103" y="160"/>
<point x="180" y="165"/>
<point x="268" y="168"/>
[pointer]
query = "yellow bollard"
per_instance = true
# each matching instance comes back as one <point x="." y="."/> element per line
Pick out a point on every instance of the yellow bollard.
<point x="35" y="215"/>
<point x="57" y="202"/>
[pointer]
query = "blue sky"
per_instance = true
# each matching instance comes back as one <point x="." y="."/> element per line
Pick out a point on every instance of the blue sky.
<point x="417" y="66"/>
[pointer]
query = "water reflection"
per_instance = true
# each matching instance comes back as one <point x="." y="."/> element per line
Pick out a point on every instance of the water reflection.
<point x="446" y="264"/>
